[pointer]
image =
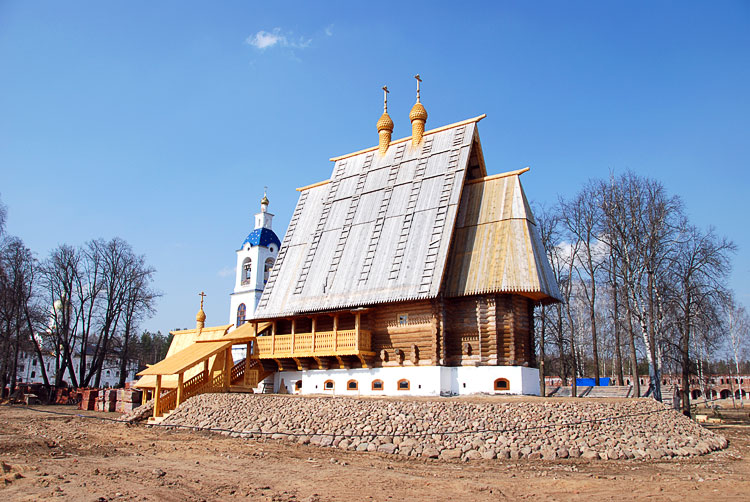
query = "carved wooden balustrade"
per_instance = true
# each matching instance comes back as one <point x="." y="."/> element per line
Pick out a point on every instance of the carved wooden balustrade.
<point x="318" y="344"/>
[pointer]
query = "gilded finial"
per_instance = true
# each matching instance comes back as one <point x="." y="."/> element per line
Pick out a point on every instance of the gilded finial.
<point x="385" y="125"/>
<point x="264" y="200"/>
<point x="200" y="318"/>
<point x="417" y="116"/>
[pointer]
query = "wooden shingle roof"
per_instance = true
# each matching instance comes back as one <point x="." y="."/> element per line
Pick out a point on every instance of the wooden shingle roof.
<point x="378" y="232"/>
<point x="496" y="245"/>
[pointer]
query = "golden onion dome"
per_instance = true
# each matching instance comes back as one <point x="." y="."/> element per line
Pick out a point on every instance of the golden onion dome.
<point x="418" y="112"/>
<point x="385" y="123"/>
<point x="201" y="316"/>
<point x="264" y="200"/>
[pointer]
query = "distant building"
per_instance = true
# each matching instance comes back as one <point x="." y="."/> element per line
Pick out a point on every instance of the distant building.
<point x="719" y="386"/>
<point x="29" y="371"/>
<point x="255" y="259"/>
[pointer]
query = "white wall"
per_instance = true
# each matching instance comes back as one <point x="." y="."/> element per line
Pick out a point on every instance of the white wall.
<point x="423" y="380"/>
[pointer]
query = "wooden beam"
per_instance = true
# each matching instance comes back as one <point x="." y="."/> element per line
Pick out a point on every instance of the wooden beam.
<point x="356" y="330"/>
<point x="363" y="360"/>
<point x="279" y="364"/>
<point x="321" y="364"/>
<point x="314" y="321"/>
<point x="335" y="332"/>
<point x="293" y="333"/>
<point x="342" y="363"/>
<point x="497" y="176"/>
<point x="180" y="387"/>
<point x="227" y="370"/>
<point x="157" y="395"/>
<point x="248" y="353"/>
<point x="298" y="362"/>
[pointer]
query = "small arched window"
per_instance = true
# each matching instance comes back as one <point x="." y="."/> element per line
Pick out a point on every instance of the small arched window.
<point x="298" y="385"/>
<point x="247" y="270"/>
<point x="403" y="384"/>
<point x="267" y="269"/>
<point x="377" y="385"/>
<point x="502" y="384"/>
<point x="352" y="385"/>
<point x="241" y="311"/>
<point x="328" y="385"/>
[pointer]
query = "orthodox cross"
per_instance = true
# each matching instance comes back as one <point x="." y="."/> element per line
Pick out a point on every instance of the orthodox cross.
<point x="419" y="79"/>
<point x="385" y="98"/>
<point x="202" y="294"/>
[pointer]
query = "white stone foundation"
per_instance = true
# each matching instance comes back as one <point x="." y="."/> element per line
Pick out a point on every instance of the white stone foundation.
<point x="422" y="381"/>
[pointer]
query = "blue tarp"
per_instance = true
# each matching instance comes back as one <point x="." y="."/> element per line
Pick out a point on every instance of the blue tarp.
<point x="589" y="382"/>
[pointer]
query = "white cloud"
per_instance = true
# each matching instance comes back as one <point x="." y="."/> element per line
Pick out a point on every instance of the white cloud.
<point x="226" y="272"/>
<point x="329" y="30"/>
<point x="264" y="40"/>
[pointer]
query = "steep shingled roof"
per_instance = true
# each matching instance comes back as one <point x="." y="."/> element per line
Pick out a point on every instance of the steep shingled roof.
<point x="379" y="231"/>
<point x="496" y="245"/>
<point x="381" y="228"/>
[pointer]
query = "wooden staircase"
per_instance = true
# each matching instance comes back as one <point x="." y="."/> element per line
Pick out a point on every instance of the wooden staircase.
<point x="201" y="384"/>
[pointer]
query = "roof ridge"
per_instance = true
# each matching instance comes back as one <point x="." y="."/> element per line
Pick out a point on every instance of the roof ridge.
<point x="407" y="138"/>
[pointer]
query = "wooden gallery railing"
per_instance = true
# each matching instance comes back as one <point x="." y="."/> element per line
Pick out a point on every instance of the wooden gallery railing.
<point x="321" y="343"/>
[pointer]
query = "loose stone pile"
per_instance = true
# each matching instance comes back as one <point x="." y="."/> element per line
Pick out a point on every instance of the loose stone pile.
<point x="140" y="413"/>
<point x="456" y="429"/>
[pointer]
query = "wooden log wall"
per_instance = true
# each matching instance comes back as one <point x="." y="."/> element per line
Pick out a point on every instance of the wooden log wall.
<point x="472" y="330"/>
<point x="420" y="329"/>
<point x="490" y="330"/>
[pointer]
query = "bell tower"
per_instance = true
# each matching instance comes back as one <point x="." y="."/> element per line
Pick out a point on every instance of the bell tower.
<point x="255" y="259"/>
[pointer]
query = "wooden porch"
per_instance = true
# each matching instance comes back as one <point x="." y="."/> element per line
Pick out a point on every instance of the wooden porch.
<point x="225" y="376"/>
<point x="334" y="343"/>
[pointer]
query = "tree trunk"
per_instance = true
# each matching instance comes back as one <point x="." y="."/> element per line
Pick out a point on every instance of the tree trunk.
<point x="685" y="391"/>
<point x="616" y="325"/>
<point x="542" y="386"/>
<point x="655" y="373"/>
<point x="563" y="366"/>
<point x="633" y="354"/>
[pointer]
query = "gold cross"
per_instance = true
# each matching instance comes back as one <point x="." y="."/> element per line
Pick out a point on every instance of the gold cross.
<point x="202" y="294"/>
<point x="385" y="98"/>
<point x="419" y="79"/>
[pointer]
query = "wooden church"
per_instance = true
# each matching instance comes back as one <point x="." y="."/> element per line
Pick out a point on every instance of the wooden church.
<point x="410" y="271"/>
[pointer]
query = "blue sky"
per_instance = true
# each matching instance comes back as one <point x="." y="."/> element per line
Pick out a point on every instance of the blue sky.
<point x="161" y="122"/>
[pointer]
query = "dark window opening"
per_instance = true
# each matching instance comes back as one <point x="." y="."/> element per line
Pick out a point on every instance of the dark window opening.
<point x="502" y="384"/>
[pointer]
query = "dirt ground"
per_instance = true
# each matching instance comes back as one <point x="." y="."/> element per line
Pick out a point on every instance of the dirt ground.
<point x="46" y="456"/>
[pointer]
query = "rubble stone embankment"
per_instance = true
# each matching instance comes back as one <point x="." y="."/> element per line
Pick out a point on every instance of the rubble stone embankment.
<point x="458" y="429"/>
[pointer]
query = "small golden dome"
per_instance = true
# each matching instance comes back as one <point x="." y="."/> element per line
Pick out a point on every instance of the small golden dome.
<point x="264" y="200"/>
<point x="201" y="316"/>
<point x="385" y="123"/>
<point x="418" y="112"/>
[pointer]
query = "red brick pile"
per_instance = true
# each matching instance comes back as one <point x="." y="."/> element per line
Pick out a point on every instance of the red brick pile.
<point x="107" y="400"/>
<point x="128" y="400"/>
<point x="88" y="399"/>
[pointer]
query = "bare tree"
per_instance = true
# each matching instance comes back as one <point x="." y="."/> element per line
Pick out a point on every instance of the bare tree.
<point x="580" y="216"/>
<point x="59" y="277"/>
<point x="139" y="303"/>
<point x="699" y="268"/>
<point x="738" y="329"/>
